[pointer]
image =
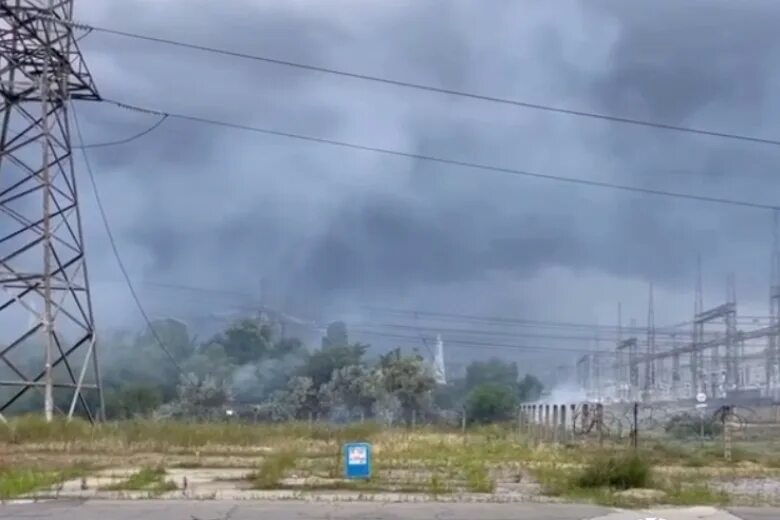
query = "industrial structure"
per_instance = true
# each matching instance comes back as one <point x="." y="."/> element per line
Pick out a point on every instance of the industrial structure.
<point x="715" y="356"/>
<point x="46" y="311"/>
<point x="45" y="307"/>
<point x="439" y="371"/>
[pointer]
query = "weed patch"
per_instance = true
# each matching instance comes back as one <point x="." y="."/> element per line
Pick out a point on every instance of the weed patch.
<point x="478" y="478"/>
<point x="437" y="486"/>
<point x="16" y="482"/>
<point x="147" y="479"/>
<point x="272" y="470"/>
<point x="694" y="494"/>
<point x="623" y="472"/>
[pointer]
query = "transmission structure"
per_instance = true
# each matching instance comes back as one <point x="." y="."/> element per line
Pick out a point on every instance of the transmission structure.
<point x="47" y="327"/>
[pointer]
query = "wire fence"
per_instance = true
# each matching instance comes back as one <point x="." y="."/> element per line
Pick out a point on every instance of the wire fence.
<point x="734" y="432"/>
<point x="731" y="426"/>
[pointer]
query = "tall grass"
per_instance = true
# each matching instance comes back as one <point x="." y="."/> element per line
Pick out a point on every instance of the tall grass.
<point x="617" y="472"/>
<point x="35" y="430"/>
<point x="149" y="479"/>
<point x="478" y="478"/>
<point x="272" y="470"/>
<point x="15" y="482"/>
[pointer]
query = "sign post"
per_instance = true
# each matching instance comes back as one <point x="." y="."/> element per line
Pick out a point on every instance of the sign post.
<point x="357" y="460"/>
<point x="701" y="405"/>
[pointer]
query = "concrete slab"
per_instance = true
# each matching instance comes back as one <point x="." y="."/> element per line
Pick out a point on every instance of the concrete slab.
<point x="690" y="513"/>
<point x="756" y="513"/>
<point x="246" y="510"/>
<point x="221" y="510"/>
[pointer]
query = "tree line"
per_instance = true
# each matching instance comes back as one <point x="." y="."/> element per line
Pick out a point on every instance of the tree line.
<point x="250" y="369"/>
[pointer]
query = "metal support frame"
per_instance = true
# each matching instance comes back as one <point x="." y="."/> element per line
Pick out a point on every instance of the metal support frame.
<point x="696" y="358"/>
<point x="42" y="258"/>
<point x="628" y="365"/>
<point x="700" y="369"/>
<point x="583" y="372"/>
<point x="650" y="363"/>
<point x="730" y="379"/>
<point x="773" y="340"/>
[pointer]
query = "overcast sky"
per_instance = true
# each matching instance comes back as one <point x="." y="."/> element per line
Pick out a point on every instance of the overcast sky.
<point x="333" y="229"/>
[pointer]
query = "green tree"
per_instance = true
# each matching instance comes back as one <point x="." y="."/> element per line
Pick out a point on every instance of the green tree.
<point x="209" y="360"/>
<point x="133" y="400"/>
<point x="173" y="334"/>
<point x="355" y="387"/>
<point x="335" y="335"/>
<point x="297" y="401"/>
<point x="529" y="389"/>
<point x="491" y="402"/>
<point x="320" y="365"/>
<point x="493" y="370"/>
<point x="287" y="347"/>
<point x="408" y="379"/>
<point x="450" y="396"/>
<point x="246" y="341"/>
<point x="198" y="398"/>
<point x="138" y="359"/>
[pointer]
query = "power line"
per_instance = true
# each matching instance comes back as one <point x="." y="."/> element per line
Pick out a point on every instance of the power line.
<point x="516" y="321"/>
<point x="454" y="162"/>
<point x="476" y="344"/>
<point x="128" y="139"/>
<point x="205" y="290"/>
<point x="494" y="333"/>
<point x="115" y="249"/>
<point x="428" y="88"/>
<point x="435" y="316"/>
<point x="669" y="332"/>
<point x="415" y="314"/>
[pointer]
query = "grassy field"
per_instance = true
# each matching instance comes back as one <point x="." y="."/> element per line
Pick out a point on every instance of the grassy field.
<point x="488" y="461"/>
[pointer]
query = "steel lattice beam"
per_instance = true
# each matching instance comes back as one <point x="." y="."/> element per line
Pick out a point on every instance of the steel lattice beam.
<point x="44" y="290"/>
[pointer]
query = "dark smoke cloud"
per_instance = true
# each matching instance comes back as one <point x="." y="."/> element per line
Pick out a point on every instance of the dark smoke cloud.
<point x="329" y="229"/>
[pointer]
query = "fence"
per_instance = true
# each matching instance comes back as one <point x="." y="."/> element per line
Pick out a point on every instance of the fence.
<point x="634" y="423"/>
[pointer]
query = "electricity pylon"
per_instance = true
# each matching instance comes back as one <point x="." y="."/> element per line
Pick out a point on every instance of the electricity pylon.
<point x="47" y="330"/>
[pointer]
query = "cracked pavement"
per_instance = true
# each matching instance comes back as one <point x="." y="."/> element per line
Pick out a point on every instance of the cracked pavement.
<point x="245" y="510"/>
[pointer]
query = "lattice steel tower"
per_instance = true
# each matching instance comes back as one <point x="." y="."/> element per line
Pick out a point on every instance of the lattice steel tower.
<point x="772" y="354"/>
<point x="47" y="331"/>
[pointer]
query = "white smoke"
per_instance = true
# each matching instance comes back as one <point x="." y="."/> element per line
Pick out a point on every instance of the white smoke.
<point x="255" y="381"/>
<point x="566" y="393"/>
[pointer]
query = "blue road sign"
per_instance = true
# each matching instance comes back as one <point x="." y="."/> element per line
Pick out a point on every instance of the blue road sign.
<point x="357" y="460"/>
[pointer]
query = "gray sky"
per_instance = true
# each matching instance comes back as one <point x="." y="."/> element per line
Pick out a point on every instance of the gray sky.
<point x="331" y="229"/>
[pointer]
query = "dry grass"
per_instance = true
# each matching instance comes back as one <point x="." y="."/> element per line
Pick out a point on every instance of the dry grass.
<point x="272" y="470"/>
<point x="425" y="460"/>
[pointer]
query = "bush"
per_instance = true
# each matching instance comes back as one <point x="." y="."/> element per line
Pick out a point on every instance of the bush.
<point x="491" y="402"/>
<point x="478" y="478"/>
<point x="616" y="472"/>
<point x="685" y="425"/>
<point x="272" y="470"/>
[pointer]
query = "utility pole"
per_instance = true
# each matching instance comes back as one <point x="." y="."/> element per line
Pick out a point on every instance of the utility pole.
<point x="42" y="257"/>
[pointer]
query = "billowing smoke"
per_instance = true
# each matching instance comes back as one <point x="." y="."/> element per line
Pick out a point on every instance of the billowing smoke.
<point x="254" y="382"/>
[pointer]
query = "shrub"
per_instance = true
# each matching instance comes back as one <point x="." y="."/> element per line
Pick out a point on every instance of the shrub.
<point x="478" y="478"/>
<point x="685" y="425"/>
<point x="622" y="472"/>
<point x="272" y="470"/>
<point x="491" y="402"/>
